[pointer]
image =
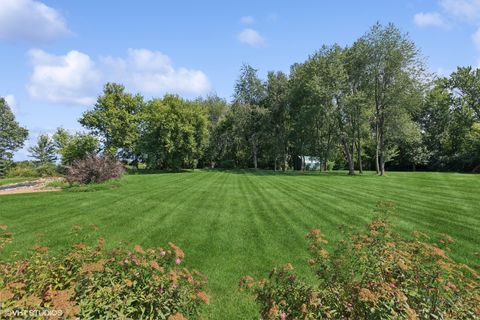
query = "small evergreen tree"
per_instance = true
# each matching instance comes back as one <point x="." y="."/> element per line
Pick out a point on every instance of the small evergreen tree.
<point x="44" y="151"/>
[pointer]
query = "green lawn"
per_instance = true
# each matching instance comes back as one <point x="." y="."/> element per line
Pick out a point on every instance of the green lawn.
<point x="243" y="223"/>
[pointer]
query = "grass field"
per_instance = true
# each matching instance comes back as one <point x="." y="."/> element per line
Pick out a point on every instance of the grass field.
<point x="232" y="224"/>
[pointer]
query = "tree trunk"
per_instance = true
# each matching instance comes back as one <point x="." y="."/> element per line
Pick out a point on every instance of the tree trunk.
<point x="377" y="163"/>
<point x="382" y="145"/>
<point x="275" y="165"/>
<point x="353" y="153"/>
<point x="377" y="120"/>
<point x="255" y="165"/>
<point x="359" y="151"/>
<point x="382" y="165"/>
<point x="349" y="155"/>
<point x="382" y="150"/>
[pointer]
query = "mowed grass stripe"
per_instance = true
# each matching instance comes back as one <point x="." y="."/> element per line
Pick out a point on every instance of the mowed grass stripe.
<point x="232" y="224"/>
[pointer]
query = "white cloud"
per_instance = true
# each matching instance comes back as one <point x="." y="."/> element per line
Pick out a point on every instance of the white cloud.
<point x="465" y="9"/>
<point x="251" y="37"/>
<point x="153" y="72"/>
<point x="247" y="20"/>
<point x="30" y="20"/>
<point x="70" y="78"/>
<point x="75" y="78"/>
<point x="433" y="19"/>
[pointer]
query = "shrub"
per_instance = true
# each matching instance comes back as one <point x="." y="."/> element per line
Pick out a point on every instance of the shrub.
<point x="376" y="274"/>
<point x="330" y="165"/>
<point x="46" y="170"/>
<point x="29" y="169"/>
<point x="93" y="283"/>
<point x="22" y="169"/>
<point x="227" y="164"/>
<point x="94" y="169"/>
<point x="76" y="146"/>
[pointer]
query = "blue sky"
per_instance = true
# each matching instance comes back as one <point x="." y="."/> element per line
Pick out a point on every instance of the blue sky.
<point x="56" y="55"/>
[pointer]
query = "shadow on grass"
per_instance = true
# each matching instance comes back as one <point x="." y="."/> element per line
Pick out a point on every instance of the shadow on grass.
<point x="253" y="172"/>
<point x="263" y="172"/>
<point x="131" y="171"/>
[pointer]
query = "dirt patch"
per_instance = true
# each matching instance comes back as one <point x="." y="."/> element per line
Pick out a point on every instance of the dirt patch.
<point x="39" y="185"/>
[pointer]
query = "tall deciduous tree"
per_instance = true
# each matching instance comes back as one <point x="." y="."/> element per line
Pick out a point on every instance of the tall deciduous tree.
<point x="12" y="135"/>
<point x="313" y="110"/>
<point x="464" y="84"/>
<point x="356" y="62"/>
<point x="248" y="99"/>
<point x="216" y="109"/>
<point x="115" y="119"/>
<point x="249" y="127"/>
<point x="394" y="66"/>
<point x="336" y="88"/>
<point x="249" y="89"/>
<point x="277" y="103"/>
<point x="173" y="133"/>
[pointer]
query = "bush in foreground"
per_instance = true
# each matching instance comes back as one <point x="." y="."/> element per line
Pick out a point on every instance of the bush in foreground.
<point x="376" y="274"/>
<point x="93" y="283"/>
<point x="94" y="169"/>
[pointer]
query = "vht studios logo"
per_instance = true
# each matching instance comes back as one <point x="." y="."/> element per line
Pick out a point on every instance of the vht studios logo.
<point x="34" y="313"/>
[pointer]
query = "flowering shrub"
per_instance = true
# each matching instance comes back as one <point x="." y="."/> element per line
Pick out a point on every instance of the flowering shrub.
<point x="376" y="274"/>
<point x="94" y="169"/>
<point x="95" y="283"/>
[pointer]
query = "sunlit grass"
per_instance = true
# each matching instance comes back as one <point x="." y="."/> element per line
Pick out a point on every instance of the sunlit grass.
<point x="232" y="224"/>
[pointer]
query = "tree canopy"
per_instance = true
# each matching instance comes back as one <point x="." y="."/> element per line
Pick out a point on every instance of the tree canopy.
<point x="12" y="135"/>
<point x="368" y="105"/>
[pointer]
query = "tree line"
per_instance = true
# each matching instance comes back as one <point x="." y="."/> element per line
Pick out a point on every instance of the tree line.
<point x="370" y="105"/>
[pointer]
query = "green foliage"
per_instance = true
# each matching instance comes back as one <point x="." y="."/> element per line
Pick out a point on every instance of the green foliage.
<point x="368" y="105"/>
<point x="173" y="133"/>
<point x="12" y="135"/>
<point x="92" y="282"/>
<point x="47" y="170"/>
<point x="44" y="151"/>
<point x="249" y="117"/>
<point x="216" y="109"/>
<point x="227" y="164"/>
<point x="330" y="165"/>
<point x="394" y="72"/>
<point x="374" y="274"/>
<point x="115" y="119"/>
<point x="3" y="168"/>
<point x="74" y="147"/>
<point x="249" y="89"/>
<point x="279" y="124"/>
<point x="22" y="169"/>
<point x="249" y="123"/>
<point x="28" y="169"/>
<point x="449" y="120"/>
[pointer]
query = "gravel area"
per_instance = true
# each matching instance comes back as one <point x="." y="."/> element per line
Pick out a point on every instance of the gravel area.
<point x="39" y="185"/>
